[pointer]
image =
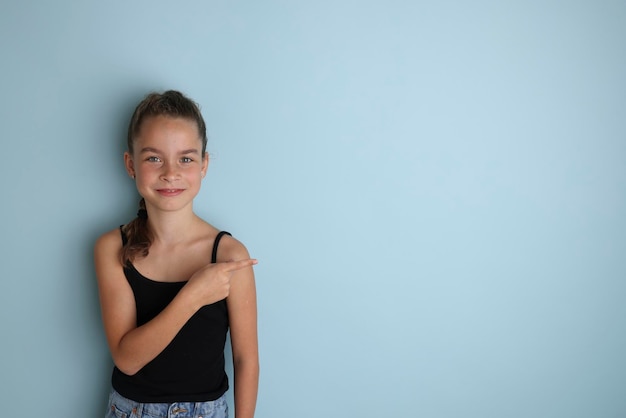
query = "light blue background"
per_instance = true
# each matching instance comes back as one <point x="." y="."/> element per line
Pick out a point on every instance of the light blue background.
<point x="436" y="191"/>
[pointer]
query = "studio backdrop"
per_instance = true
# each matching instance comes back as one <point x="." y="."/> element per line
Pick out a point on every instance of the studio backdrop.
<point x="435" y="191"/>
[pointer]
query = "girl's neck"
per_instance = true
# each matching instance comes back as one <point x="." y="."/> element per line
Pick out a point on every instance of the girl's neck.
<point x="172" y="227"/>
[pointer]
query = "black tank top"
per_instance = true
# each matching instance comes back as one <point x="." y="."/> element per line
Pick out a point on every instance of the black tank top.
<point x="191" y="367"/>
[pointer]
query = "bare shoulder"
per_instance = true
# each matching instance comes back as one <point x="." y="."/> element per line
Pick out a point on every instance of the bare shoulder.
<point x="108" y="242"/>
<point x="231" y="249"/>
<point x="107" y="254"/>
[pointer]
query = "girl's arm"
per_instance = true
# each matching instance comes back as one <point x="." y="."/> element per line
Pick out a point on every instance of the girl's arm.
<point x="133" y="347"/>
<point x="242" y="313"/>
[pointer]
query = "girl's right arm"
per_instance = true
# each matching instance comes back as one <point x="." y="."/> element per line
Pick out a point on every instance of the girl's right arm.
<point x="133" y="347"/>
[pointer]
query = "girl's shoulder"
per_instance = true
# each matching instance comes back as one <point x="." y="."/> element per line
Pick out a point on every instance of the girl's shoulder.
<point x="230" y="248"/>
<point x="228" y="245"/>
<point x="107" y="250"/>
<point x="110" y="240"/>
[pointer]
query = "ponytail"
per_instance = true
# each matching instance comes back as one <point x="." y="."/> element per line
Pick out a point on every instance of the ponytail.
<point x="138" y="236"/>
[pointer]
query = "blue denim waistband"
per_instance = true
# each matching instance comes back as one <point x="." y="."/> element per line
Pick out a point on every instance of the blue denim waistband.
<point x="120" y="406"/>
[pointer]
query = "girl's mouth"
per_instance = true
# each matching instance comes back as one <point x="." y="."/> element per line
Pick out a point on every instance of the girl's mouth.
<point x="170" y="192"/>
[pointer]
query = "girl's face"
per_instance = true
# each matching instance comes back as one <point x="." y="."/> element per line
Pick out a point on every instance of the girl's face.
<point x="167" y="162"/>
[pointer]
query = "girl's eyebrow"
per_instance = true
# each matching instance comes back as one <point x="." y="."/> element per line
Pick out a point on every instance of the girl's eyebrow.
<point x="156" y="151"/>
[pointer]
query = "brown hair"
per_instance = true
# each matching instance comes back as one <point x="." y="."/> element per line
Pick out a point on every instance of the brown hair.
<point x="170" y="103"/>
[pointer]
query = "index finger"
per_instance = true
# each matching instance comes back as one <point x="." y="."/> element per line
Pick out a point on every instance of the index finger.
<point x="240" y="264"/>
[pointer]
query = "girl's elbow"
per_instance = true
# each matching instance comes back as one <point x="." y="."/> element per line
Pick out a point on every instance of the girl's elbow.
<point x="126" y="367"/>
<point x="128" y="371"/>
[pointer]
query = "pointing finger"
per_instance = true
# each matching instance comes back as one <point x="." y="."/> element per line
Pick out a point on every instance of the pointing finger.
<point x="240" y="264"/>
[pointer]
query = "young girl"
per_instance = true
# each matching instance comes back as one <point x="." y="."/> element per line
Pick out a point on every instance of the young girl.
<point x="171" y="285"/>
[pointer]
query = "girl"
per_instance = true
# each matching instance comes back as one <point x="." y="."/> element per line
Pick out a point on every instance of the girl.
<point x="171" y="285"/>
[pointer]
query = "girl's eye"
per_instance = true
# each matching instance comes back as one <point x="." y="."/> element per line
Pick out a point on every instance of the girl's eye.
<point x="186" y="160"/>
<point x="153" y="159"/>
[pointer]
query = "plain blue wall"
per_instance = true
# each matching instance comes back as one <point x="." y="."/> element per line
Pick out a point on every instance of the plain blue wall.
<point x="436" y="192"/>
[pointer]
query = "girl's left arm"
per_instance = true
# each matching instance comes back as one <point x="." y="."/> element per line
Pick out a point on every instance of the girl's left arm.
<point x="242" y="312"/>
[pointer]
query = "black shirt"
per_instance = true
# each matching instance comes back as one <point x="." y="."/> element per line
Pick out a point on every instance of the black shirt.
<point x="191" y="367"/>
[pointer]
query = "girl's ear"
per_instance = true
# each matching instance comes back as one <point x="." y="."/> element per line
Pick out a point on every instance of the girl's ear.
<point x="128" y="163"/>
<point x="205" y="163"/>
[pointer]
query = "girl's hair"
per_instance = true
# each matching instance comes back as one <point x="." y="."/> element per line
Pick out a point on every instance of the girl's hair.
<point x="173" y="104"/>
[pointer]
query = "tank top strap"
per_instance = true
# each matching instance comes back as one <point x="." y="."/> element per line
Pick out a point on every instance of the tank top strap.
<point x="216" y="243"/>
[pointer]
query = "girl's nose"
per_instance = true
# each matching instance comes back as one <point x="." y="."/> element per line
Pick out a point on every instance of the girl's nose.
<point x="169" y="172"/>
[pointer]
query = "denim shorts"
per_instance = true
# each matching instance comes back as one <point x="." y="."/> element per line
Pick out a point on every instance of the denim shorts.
<point x="120" y="407"/>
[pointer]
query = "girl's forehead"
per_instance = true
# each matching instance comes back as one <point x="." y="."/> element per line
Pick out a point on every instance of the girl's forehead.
<point x="168" y="132"/>
<point x="155" y="124"/>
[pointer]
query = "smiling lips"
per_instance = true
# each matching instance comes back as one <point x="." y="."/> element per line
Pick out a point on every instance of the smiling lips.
<point x="170" y="192"/>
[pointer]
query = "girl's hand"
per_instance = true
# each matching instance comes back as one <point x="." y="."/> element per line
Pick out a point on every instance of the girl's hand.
<point x="212" y="282"/>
